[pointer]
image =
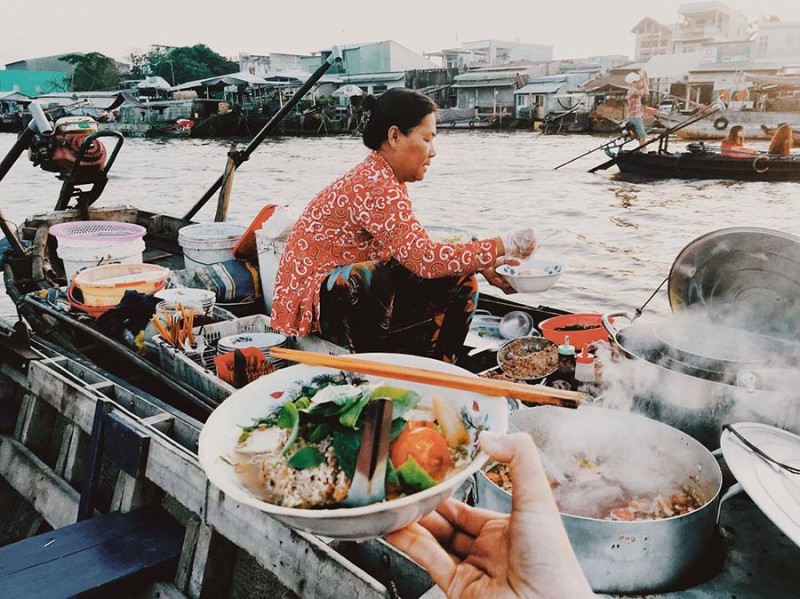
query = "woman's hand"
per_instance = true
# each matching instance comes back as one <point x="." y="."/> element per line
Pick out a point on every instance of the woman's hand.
<point x="496" y="279"/>
<point x="520" y="243"/>
<point x="478" y="553"/>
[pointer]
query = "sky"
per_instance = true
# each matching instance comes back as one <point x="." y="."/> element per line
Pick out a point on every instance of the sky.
<point x="575" y="29"/>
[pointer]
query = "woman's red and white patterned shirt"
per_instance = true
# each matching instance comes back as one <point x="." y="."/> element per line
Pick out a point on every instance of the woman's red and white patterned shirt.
<point x="366" y="215"/>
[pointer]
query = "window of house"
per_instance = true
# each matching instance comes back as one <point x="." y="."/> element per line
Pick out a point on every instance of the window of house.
<point x="378" y="89"/>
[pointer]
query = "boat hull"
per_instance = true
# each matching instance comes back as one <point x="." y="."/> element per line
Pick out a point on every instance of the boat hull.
<point x="689" y="165"/>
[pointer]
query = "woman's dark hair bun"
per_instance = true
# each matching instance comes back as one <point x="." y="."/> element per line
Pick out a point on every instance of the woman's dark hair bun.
<point x="396" y="107"/>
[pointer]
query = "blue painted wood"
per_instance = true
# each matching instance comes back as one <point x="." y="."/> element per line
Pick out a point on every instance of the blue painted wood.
<point x="91" y="554"/>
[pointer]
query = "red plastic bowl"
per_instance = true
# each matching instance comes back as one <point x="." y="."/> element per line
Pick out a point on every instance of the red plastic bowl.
<point x="590" y="323"/>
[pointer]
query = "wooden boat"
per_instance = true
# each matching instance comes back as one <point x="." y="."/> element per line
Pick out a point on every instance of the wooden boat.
<point x="705" y="163"/>
<point x="75" y="404"/>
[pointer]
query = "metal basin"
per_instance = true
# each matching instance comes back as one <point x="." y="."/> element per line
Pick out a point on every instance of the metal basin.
<point x="618" y="556"/>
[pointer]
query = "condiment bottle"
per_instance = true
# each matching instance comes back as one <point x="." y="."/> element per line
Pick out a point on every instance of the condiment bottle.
<point x="566" y="365"/>
<point x="584" y="367"/>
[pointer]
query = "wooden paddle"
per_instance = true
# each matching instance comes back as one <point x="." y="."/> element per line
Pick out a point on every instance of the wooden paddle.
<point x="528" y="394"/>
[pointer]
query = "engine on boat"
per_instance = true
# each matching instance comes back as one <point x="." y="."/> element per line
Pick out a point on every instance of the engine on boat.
<point x="58" y="153"/>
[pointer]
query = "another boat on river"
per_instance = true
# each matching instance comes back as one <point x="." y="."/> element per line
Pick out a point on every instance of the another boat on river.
<point x="702" y="162"/>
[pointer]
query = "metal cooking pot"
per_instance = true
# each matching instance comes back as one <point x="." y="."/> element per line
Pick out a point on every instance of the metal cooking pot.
<point x="621" y="556"/>
<point x="700" y="390"/>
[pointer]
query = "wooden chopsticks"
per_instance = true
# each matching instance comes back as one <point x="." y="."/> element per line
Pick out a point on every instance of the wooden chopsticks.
<point x="528" y="394"/>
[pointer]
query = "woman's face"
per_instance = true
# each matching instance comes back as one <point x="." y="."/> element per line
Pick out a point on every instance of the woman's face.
<point x="410" y="154"/>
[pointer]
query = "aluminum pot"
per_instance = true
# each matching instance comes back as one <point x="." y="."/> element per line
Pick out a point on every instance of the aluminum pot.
<point x="698" y="395"/>
<point x="621" y="556"/>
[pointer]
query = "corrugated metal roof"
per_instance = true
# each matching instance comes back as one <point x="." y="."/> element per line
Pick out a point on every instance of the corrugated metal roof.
<point x="541" y="88"/>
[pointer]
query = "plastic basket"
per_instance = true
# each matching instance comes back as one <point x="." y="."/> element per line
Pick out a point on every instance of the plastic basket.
<point x="84" y="233"/>
<point x="198" y="370"/>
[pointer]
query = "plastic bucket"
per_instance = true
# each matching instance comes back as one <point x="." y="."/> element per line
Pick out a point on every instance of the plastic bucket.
<point x="76" y="258"/>
<point x="208" y="243"/>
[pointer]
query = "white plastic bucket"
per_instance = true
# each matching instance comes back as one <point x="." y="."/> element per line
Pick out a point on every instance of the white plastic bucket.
<point x="76" y="258"/>
<point x="269" y="254"/>
<point x="208" y="243"/>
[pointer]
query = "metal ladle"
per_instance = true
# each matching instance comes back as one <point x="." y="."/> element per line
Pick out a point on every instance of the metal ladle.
<point x="514" y="324"/>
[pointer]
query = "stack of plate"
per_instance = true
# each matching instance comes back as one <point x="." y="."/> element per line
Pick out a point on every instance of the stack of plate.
<point x="263" y="341"/>
<point x="189" y="295"/>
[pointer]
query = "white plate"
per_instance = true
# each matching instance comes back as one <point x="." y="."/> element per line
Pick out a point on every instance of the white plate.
<point x="259" y="340"/>
<point x="775" y="491"/>
<point x="223" y="427"/>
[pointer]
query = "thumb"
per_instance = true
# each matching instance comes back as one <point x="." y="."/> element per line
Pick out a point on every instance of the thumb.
<point x="532" y="491"/>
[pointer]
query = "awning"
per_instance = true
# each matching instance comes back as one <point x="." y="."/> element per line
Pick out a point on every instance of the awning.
<point x="541" y="88"/>
<point x="154" y="82"/>
<point x="782" y="80"/>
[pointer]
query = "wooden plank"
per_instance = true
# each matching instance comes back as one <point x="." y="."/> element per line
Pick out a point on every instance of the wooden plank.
<point x="224" y="198"/>
<point x="302" y="562"/>
<point x="53" y="498"/>
<point x="212" y="566"/>
<point x="135" y="554"/>
<point x="74" y="538"/>
<point x="72" y="402"/>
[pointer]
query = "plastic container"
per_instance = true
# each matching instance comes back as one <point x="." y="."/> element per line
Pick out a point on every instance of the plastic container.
<point x="208" y="243"/>
<point x="582" y="328"/>
<point x="565" y="373"/>
<point x="269" y="254"/>
<point x="83" y="244"/>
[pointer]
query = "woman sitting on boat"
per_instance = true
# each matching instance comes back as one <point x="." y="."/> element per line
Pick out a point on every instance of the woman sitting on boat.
<point x="781" y="144"/>
<point x="358" y="264"/>
<point x="733" y="145"/>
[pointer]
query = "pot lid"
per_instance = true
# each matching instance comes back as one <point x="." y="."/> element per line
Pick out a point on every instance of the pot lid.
<point x="775" y="490"/>
<point x="744" y="277"/>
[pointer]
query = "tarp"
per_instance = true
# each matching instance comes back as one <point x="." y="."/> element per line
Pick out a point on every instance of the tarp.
<point x="232" y="79"/>
<point x="453" y="115"/>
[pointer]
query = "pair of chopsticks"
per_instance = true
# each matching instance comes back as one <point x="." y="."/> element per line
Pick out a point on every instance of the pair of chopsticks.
<point x="528" y="394"/>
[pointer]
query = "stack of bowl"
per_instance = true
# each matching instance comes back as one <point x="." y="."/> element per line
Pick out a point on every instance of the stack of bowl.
<point x="262" y="341"/>
<point x="188" y="296"/>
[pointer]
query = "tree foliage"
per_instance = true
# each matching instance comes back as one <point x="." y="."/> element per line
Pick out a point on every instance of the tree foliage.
<point x="182" y="64"/>
<point x="93" y="72"/>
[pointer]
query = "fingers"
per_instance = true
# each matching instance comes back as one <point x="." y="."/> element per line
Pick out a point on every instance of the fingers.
<point x="532" y="491"/>
<point x="420" y="545"/>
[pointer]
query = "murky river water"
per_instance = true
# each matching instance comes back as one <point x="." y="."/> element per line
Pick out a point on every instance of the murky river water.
<point x="617" y="238"/>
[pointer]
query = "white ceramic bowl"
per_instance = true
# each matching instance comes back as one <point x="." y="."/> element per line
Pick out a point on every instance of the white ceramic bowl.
<point x="223" y="427"/>
<point x="532" y="276"/>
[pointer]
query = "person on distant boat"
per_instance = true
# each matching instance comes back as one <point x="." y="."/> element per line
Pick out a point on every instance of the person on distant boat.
<point x="733" y="145"/>
<point x="358" y="264"/>
<point x="638" y="89"/>
<point x="781" y="144"/>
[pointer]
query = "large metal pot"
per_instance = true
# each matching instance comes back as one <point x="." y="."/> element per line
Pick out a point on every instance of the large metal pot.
<point x="618" y="556"/>
<point x="700" y="390"/>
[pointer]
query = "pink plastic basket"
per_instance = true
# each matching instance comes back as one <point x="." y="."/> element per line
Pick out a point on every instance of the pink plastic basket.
<point x="82" y="232"/>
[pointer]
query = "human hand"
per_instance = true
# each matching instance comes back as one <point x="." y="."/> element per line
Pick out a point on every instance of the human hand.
<point x="519" y="243"/>
<point x="496" y="279"/>
<point x="477" y="553"/>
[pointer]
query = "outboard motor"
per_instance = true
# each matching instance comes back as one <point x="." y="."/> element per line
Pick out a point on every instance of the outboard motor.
<point x="60" y="152"/>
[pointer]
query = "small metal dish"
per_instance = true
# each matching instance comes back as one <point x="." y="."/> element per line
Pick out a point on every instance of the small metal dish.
<point x="511" y="352"/>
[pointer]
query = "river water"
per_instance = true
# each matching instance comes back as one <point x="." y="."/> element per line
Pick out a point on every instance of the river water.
<point x="618" y="238"/>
